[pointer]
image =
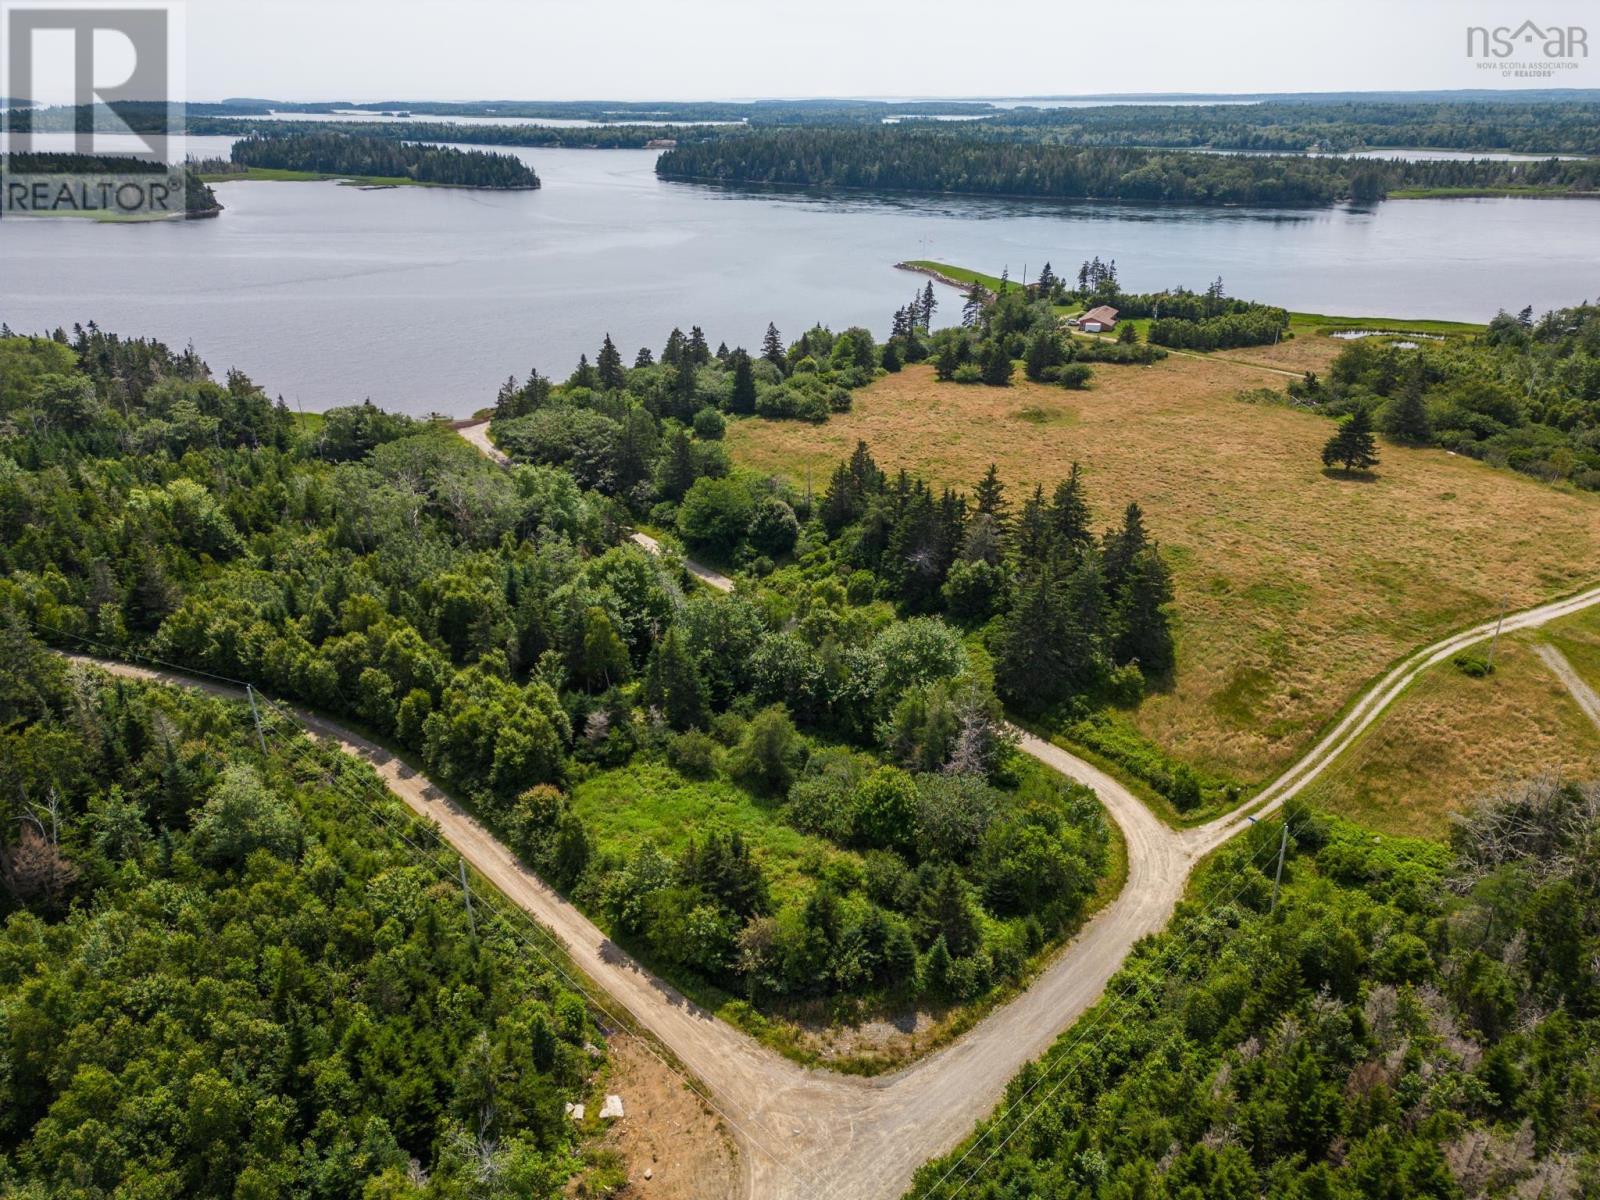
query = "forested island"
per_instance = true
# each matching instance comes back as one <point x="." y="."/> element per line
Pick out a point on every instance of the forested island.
<point x="1545" y="127"/>
<point x="75" y="170"/>
<point x="383" y="159"/>
<point x="587" y="137"/>
<point x="920" y="160"/>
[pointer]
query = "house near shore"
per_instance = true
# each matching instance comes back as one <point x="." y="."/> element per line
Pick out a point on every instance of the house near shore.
<point x="1098" y="320"/>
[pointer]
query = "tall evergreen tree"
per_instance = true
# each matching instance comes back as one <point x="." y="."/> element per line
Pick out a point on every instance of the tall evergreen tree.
<point x="672" y="353"/>
<point x="584" y="376"/>
<point x="608" y="366"/>
<point x="990" y="496"/>
<point x="1123" y="545"/>
<point x="772" y="346"/>
<point x="698" y="351"/>
<point x="1069" y="511"/>
<point x="1406" y="417"/>
<point x="673" y="684"/>
<point x="644" y="358"/>
<point x="1144" y="634"/>
<point x="972" y="309"/>
<point x="743" y="399"/>
<point x="929" y="303"/>
<point x="677" y="467"/>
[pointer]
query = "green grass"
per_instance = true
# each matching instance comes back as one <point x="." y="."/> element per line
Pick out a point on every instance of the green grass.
<point x="1301" y="322"/>
<point x="1468" y="193"/>
<point x="627" y="807"/>
<point x="279" y="175"/>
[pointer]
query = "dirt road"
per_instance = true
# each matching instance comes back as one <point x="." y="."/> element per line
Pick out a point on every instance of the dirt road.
<point x="810" y="1135"/>
<point x="1575" y="683"/>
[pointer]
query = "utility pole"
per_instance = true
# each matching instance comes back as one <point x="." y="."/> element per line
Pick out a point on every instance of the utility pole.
<point x="1495" y="640"/>
<point x="255" y="715"/>
<point x="466" y="892"/>
<point x="1283" y="846"/>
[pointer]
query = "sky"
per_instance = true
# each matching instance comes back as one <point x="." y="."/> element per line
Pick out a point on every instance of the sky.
<point x="368" y="50"/>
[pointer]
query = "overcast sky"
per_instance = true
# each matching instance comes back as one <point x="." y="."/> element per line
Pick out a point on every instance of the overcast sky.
<point x="719" y="49"/>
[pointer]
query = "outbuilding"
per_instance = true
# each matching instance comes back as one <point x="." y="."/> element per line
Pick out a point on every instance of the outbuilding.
<point x="1098" y="320"/>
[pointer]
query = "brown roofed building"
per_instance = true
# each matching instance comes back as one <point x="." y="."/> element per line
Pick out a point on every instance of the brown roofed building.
<point x="1098" y="320"/>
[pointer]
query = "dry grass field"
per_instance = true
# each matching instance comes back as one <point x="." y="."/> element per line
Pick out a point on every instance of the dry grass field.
<point x="1294" y="588"/>
<point x="1451" y="739"/>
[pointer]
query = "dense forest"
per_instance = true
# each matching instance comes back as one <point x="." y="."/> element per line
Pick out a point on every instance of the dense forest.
<point x="594" y="137"/>
<point x="220" y="978"/>
<point x="976" y="163"/>
<point x="1407" y="1021"/>
<point x="1526" y="394"/>
<point x="492" y="622"/>
<point x="384" y="158"/>
<point x="1541" y="127"/>
<point x="198" y="198"/>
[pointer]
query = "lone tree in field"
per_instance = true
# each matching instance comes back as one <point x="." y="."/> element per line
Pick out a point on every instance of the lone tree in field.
<point x="1353" y="448"/>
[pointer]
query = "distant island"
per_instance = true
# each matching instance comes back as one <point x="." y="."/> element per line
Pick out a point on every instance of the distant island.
<point x="897" y="158"/>
<point x="374" y="160"/>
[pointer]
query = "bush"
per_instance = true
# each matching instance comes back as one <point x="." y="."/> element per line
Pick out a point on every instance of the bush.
<point x="968" y="373"/>
<point x="693" y="753"/>
<point x="1074" y="375"/>
<point x="715" y="513"/>
<point x="773" y="528"/>
<point x="709" y="424"/>
<point x="1472" y="666"/>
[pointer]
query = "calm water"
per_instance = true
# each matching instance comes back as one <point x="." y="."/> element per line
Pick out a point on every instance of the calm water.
<point x="426" y="299"/>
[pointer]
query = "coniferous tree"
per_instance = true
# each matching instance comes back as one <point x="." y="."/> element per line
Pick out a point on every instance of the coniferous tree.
<point x="929" y="303"/>
<point x="1406" y="417"/>
<point x="1033" y="525"/>
<point x="1069" y="512"/>
<point x="772" y="346"/>
<point x="644" y="358"/>
<point x="608" y="366"/>
<point x="743" y="399"/>
<point x="944" y="367"/>
<point x="672" y="353"/>
<point x="1123" y="545"/>
<point x="584" y="376"/>
<point x="677" y="468"/>
<point x="972" y="310"/>
<point x="1144" y="634"/>
<point x="1353" y="447"/>
<point x="990" y="496"/>
<point x="698" y="351"/>
<point x="997" y="364"/>
<point x="673" y="684"/>
<point x="1031" y="668"/>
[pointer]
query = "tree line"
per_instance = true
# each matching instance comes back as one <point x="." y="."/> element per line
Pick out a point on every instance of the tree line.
<point x="977" y="162"/>
<point x="1525" y="394"/>
<point x="221" y="981"/>
<point x="383" y="158"/>
<point x="493" y="623"/>
<point x="1404" y="1020"/>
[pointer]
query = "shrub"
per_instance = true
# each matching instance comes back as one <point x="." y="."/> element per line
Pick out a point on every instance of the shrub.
<point x="968" y="373"/>
<point x="709" y="424"/>
<point x="694" y="753"/>
<point x="1473" y="666"/>
<point x="773" y="528"/>
<point x="1074" y="376"/>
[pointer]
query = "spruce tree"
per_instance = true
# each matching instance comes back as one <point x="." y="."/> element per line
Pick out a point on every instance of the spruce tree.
<point x="972" y="310"/>
<point x="698" y="352"/>
<point x="772" y="346"/>
<point x="743" y="399"/>
<point x="1123" y="545"/>
<point x="677" y="468"/>
<point x="929" y="303"/>
<point x="944" y="367"/>
<point x="584" y="376"/>
<point x="644" y="358"/>
<point x="1031" y="663"/>
<point x="997" y="364"/>
<point x="673" y="684"/>
<point x="1144" y="634"/>
<point x="608" y="366"/>
<point x="1406" y="416"/>
<point x="990" y="495"/>
<point x="1353" y="447"/>
<point x="1069" y="511"/>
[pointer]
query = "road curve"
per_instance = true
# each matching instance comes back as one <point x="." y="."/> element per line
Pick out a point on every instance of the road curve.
<point x="1563" y="670"/>
<point x="814" y="1135"/>
<point x="809" y="1134"/>
<point x="477" y="434"/>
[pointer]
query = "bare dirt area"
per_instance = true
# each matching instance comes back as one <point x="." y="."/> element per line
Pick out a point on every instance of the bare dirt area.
<point x="673" y="1143"/>
<point x="1294" y="588"/>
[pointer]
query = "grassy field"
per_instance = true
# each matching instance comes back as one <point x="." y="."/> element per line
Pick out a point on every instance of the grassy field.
<point x="278" y="175"/>
<point x="643" y="802"/>
<point x="1452" y="738"/>
<point x="1294" y="589"/>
